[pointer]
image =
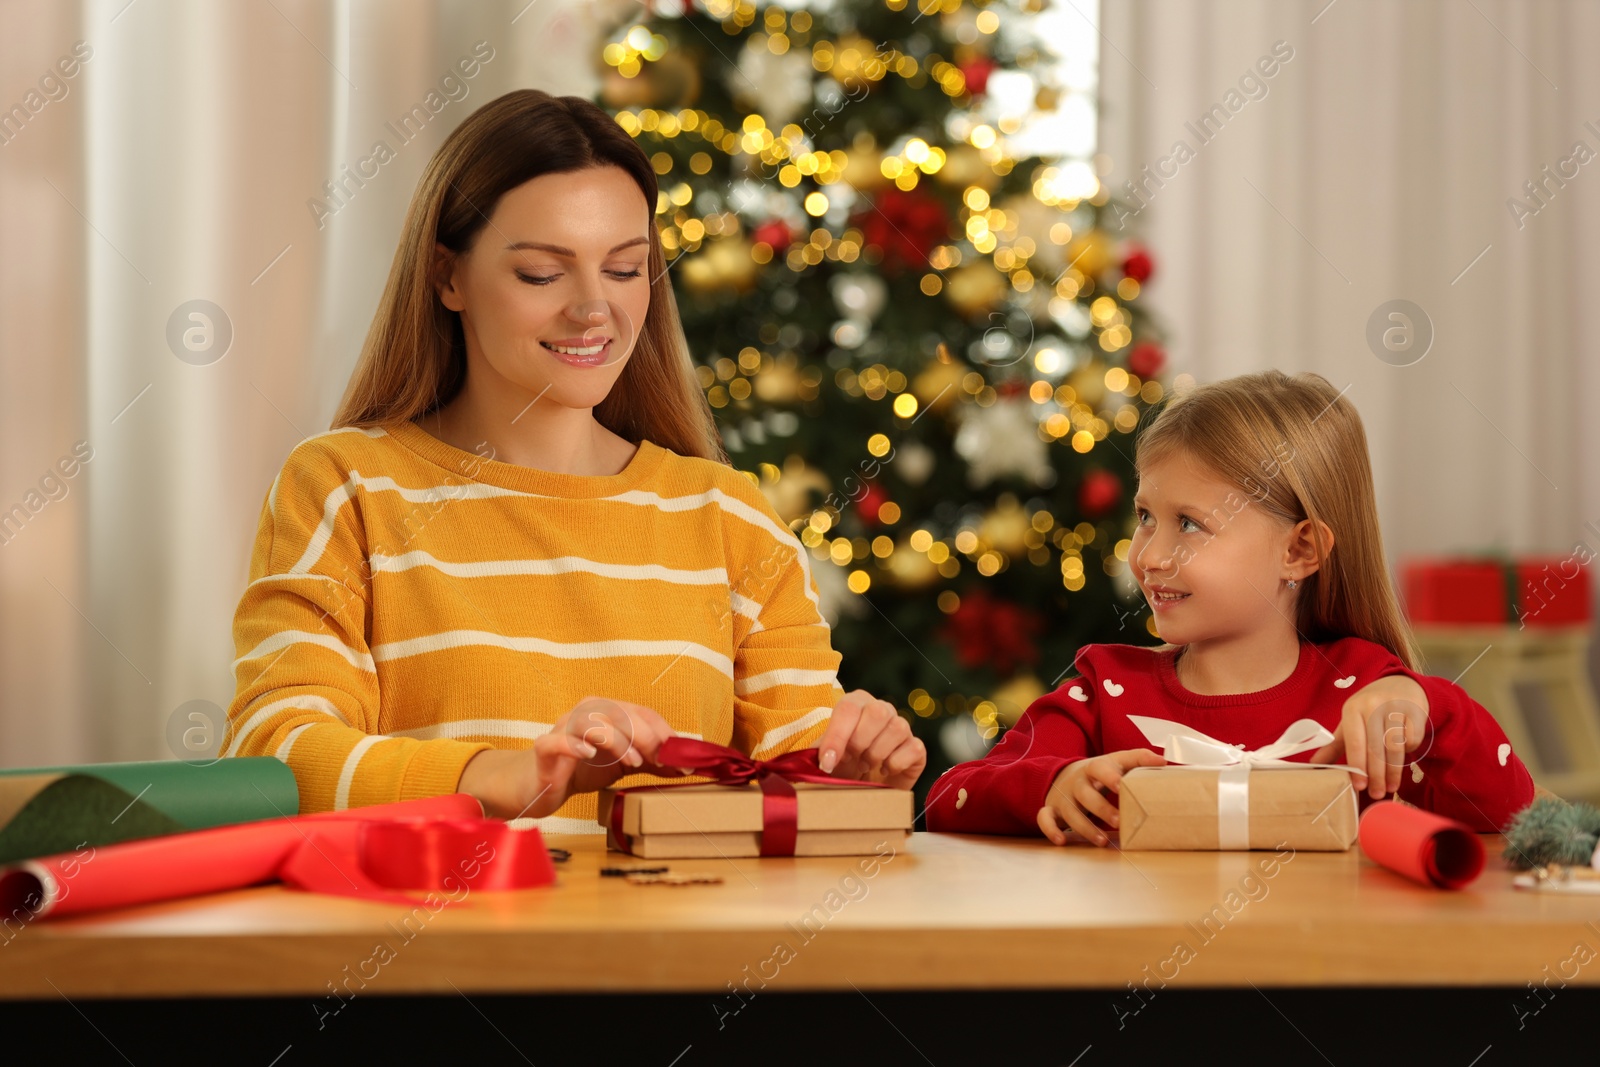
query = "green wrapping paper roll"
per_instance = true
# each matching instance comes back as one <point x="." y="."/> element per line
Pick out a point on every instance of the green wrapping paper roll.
<point x="45" y="810"/>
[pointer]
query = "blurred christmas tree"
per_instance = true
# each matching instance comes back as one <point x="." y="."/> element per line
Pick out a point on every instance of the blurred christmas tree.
<point x="927" y="351"/>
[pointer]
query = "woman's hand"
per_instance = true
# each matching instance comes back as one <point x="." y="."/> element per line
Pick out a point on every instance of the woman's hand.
<point x="594" y="744"/>
<point x="1381" y="724"/>
<point x="1081" y="793"/>
<point x="870" y="741"/>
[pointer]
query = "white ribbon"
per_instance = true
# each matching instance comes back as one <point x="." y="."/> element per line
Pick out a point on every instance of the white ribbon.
<point x="1186" y="745"/>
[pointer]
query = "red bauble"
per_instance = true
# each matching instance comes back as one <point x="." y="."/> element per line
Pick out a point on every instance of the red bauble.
<point x="1138" y="265"/>
<point x="987" y="632"/>
<point x="774" y="233"/>
<point x="1099" y="493"/>
<point x="905" y="225"/>
<point x="976" y="72"/>
<point x="1146" y="359"/>
<point x="871" y="500"/>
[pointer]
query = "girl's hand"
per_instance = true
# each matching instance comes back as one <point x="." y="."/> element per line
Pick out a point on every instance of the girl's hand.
<point x="594" y="744"/>
<point x="870" y="741"/>
<point x="1080" y="792"/>
<point x="1380" y="725"/>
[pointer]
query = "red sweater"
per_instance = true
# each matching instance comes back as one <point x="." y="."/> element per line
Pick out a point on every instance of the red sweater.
<point x="1464" y="768"/>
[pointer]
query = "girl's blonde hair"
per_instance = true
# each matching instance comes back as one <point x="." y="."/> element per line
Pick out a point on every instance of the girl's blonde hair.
<point x="414" y="359"/>
<point x="1297" y="447"/>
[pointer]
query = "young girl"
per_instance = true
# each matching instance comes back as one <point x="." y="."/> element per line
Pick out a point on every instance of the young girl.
<point x="1257" y="549"/>
<point x="520" y="560"/>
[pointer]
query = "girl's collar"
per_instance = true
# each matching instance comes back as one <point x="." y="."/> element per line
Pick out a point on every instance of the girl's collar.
<point x="1297" y="679"/>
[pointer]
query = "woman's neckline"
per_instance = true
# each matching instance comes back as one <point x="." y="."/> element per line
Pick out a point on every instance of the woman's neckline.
<point x="471" y="467"/>
<point x="1168" y="659"/>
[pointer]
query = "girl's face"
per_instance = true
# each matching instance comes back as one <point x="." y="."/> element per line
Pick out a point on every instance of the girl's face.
<point x="1209" y="560"/>
<point x="554" y="289"/>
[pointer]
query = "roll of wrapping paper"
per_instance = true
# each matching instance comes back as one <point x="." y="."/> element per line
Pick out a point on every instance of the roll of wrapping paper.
<point x="46" y="810"/>
<point x="230" y="857"/>
<point x="1424" y="847"/>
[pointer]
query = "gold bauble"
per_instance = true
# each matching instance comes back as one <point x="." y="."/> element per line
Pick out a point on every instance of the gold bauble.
<point x="617" y="92"/>
<point x="794" y="492"/>
<point x="670" y="83"/>
<point x="736" y="267"/>
<point x="911" y="569"/>
<point x="851" y="74"/>
<point x="938" y="385"/>
<point x="721" y="265"/>
<point x="778" y="384"/>
<point x="964" y="166"/>
<point x="1089" y="383"/>
<point x="698" y="272"/>
<point x="976" y="287"/>
<point x="863" y="170"/>
<point x="1013" y="698"/>
<point x="1090" y="254"/>
<point x="1005" y="527"/>
<point x="1035" y="218"/>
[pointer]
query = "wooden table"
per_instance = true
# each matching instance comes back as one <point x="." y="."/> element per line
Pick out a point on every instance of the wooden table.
<point x="946" y="912"/>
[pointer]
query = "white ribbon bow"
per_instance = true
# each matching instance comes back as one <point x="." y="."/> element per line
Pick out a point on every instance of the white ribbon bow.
<point x="1186" y="745"/>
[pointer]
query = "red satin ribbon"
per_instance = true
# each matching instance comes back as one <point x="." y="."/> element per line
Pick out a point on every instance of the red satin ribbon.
<point x="371" y="859"/>
<point x="780" y="805"/>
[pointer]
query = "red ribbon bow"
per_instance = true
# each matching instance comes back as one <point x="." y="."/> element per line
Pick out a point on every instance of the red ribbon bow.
<point x="780" y="805"/>
<point x="371" y="859"/>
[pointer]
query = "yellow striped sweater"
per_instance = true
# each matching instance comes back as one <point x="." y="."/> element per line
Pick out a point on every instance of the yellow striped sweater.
<point x="411" y="604"/>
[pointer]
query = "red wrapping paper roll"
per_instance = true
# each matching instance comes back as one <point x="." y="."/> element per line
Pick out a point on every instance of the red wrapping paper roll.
<point x="1424" y="847"/>
<point x="183" y="865"/>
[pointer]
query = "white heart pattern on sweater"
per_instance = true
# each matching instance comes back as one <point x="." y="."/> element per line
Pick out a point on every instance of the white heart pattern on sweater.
<point x="1504" y="754"/>
<point x="1345" y="683"/>
<point x="1112" y="687"/>
<point x="1416" y="772"/>
<point x="961" y="799"/>
<point x="1077" y="693"/>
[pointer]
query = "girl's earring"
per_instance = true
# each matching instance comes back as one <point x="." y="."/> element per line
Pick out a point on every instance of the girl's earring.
<point x="1293" y="584"/>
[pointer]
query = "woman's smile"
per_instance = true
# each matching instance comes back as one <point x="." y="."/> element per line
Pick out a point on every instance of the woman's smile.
<point x="591" y="355"/>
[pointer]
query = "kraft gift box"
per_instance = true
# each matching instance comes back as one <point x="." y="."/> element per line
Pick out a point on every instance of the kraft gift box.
<point x="713" y="821"/>
<point x="1175" y="807"/>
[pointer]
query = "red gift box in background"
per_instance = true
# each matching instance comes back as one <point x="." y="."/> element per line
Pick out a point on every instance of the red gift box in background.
<point x="1534" y="591"/>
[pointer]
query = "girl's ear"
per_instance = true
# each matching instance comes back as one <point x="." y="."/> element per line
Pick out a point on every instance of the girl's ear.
<point x="1303" y="552"/>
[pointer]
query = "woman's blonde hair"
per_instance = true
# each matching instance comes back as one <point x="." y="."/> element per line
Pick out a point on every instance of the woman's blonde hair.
<point x="414" y="359"/>
<point x="1297" y="447"/>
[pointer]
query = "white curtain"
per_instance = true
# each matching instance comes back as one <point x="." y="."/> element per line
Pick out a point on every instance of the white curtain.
<point x="179" y="166"/>
<point x="1377" y="166"/>
<point x="44" y="642"/>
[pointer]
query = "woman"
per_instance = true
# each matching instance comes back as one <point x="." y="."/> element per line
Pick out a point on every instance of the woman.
<point x="520" y="560"/>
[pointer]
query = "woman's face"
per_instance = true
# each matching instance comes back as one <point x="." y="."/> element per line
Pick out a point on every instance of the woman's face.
<point x="554" y="290"/>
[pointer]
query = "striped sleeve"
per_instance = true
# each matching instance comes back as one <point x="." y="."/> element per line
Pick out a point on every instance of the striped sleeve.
<point x="785" y="674"/>
<point x="306" y="688"/>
